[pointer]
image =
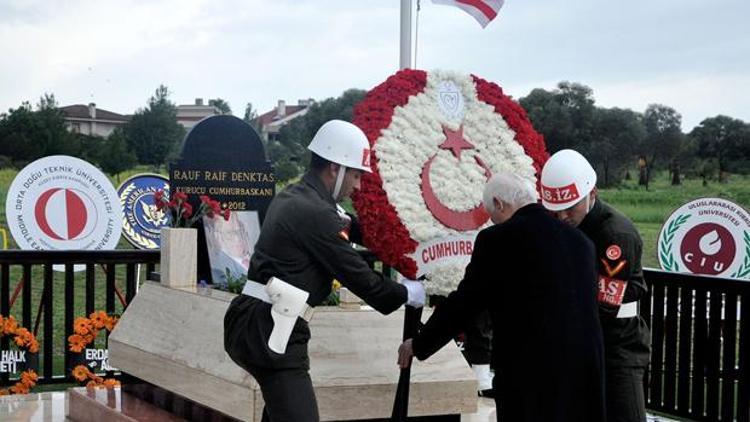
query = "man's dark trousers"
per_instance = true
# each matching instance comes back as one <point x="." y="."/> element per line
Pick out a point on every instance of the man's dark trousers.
<point x="288" y="394"/>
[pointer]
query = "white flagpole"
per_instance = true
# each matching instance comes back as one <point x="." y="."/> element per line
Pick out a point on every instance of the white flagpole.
<point x="405" y="62"/>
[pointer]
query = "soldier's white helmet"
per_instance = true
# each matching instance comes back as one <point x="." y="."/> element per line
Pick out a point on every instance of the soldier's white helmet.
<point x="567" y="178"/>
<point x="342" y="143"/>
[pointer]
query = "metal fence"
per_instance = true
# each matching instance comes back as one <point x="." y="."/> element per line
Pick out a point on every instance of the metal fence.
<point x="700" y="346"/>
<point x="700" y="326"/>
<point x="31" y="268"/>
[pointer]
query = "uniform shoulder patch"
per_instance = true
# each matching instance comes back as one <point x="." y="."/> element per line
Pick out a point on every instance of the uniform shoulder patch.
<point x="613" y="252"/>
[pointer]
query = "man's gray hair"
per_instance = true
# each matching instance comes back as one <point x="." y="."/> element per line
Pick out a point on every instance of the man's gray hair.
<point x="509" y="188"/>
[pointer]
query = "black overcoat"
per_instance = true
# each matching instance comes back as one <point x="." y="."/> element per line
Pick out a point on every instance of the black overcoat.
<point x="537" y="277"/>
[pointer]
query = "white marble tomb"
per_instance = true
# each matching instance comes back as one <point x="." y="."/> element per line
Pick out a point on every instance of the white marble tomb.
<point x="174" y="339"/>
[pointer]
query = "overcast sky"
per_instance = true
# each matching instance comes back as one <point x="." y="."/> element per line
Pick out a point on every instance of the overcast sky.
<point x="688" y="54"/>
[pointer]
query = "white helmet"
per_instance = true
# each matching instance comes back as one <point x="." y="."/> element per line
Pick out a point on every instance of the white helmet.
<point x="342" y="143"/>
<point x="567" y="178"/>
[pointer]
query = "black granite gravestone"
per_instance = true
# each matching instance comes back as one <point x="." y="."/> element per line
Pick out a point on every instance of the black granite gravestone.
<point x="223" y="157"/>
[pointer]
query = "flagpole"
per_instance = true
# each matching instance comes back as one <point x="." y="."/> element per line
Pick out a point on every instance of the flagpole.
<point x="405" y="56"/>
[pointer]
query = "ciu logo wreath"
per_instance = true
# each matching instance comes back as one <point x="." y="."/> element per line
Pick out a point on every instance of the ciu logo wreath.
<point x="435" y="139"/>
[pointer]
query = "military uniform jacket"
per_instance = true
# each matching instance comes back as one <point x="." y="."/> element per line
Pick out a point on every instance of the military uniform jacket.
<point x="302" y="242"/>
<point x="618" y="254"/>
<point x="537" y="277"/>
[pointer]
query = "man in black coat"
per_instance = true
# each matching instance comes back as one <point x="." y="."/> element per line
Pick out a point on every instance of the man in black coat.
<point x="537" y="277"/>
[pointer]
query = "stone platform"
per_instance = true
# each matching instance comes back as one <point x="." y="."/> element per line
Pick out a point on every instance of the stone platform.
<point x="174" y="340"/>
<point x="52" y="407"/>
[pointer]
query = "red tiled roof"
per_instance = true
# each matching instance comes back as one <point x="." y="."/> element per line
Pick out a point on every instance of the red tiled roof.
<point x="271" y="116"/>
<point x="81" y="111"/>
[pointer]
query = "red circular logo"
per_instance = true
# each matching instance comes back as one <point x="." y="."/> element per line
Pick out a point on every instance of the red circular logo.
<point x="614" y="252"/>
<point x="708" y="248"/>
<point x="64" y="214"/>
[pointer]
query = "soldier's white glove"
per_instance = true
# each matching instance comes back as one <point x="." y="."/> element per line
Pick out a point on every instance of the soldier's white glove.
<point x="415" y="293"/>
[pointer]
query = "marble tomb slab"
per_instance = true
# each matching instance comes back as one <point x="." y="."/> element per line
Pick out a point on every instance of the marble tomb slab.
<point x="174" y="339"/>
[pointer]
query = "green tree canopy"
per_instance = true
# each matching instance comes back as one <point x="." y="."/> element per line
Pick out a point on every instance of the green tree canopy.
<point x="251" y="117"/>
<point x="664" y="140"/>
<point x="26" y="135"/>
<point x="564" y="115"/>
<point x="615" y="132"/>
<point x="220" y="105"/>
<point x="726" y="140"/>
<point x="153" y="132"/>
<point x="290" y="152"/>
<point x="115" y="155"/>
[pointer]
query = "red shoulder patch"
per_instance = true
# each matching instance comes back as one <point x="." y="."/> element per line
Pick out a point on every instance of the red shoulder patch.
<point x="613" y="252"/>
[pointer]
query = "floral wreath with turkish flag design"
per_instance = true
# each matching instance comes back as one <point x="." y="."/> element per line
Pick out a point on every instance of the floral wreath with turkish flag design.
<point x="436" y="138"/>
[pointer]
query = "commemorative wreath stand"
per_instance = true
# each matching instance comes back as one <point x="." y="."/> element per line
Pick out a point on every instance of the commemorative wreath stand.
<point x="435" y="139"/>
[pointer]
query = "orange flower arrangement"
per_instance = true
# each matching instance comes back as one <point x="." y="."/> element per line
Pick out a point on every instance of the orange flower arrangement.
<point x="85" y="331"/>
<point x="23" y="339"/>
<point x="82" y="373"/>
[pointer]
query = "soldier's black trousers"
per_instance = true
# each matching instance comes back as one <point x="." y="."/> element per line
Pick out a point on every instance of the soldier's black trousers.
<point x="625" y="397"/>
<point x="288" y="394"/>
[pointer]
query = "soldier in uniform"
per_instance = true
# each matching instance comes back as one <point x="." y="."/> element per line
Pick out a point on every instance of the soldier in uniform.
<point x="303" y="245"/>
<point x="536" y="277"/>
<point x="569" y="190"/>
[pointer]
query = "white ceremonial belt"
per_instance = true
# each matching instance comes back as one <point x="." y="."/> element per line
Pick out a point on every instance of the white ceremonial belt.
<point x="258" y="291"/>
<point x="628" y="310"/>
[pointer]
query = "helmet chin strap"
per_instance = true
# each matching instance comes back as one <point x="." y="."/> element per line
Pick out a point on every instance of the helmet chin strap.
<point x="589" y="203"/>
<point x="339" y="182"/>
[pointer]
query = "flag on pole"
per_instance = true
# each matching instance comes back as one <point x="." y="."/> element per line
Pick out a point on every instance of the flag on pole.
<point x="484" y="11"/>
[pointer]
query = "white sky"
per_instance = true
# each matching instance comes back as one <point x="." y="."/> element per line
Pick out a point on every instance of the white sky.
<point x="688" y="54"/>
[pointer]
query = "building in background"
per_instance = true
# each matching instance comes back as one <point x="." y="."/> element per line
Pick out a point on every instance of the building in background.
<point x="188" y="115"/>
<point x="92" y="121"/>
<point x="272" y="121"/>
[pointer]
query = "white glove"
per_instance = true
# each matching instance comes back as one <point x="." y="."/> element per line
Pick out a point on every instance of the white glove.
<point x="415" y="293"/>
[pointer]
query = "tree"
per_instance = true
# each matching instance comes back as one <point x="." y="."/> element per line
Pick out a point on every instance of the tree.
<point x="291" y="149"/>
<point x="220" y="105"/>
<point x="725" y="139"/>
<point x="564" y="115"/>
<point x="114" y="154"/>
<point x="664" y="141"/>
<point x="251" y="117"/>
<point x="26" y="135"/>
<point x="153" y="132"/>
<point x="615" y="132"/>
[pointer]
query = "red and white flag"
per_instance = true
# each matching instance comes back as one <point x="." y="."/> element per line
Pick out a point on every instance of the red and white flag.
<point x="484" y="11"/>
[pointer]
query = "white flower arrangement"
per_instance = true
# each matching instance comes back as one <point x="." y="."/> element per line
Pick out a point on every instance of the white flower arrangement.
<point x="412" y="139"/>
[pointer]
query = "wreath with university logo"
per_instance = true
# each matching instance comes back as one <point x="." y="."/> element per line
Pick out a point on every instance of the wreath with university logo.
<point x="26" y="343"/>
<point x="665" y="255"/>
<point x="744" y="270"/>
<point x="85" y="332"/>
<point x="435" y="140"/>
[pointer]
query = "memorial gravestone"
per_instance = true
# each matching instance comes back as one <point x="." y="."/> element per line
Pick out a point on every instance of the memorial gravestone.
<point x="223" y="157"/>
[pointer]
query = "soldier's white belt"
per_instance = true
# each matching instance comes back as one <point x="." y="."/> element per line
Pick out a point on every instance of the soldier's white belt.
<point x="628" y="310"/>
<point x="287" y="304"/>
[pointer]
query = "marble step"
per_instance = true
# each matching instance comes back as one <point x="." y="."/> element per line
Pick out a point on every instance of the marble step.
<point x="113" y="405"/>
